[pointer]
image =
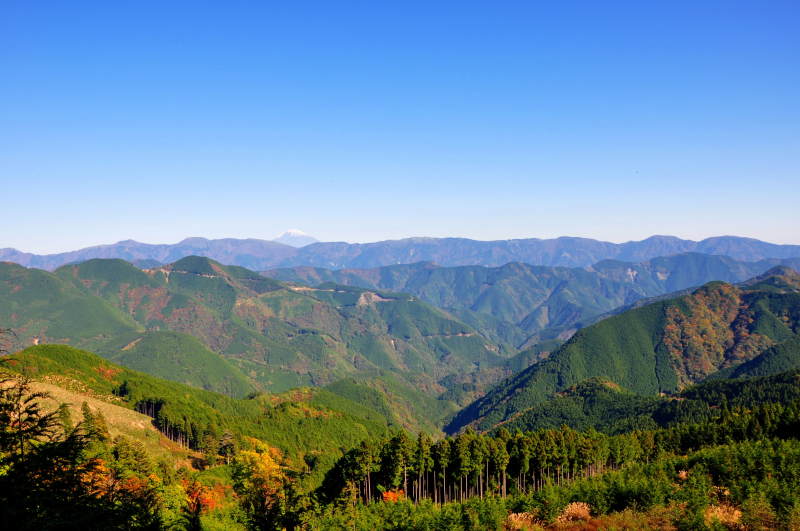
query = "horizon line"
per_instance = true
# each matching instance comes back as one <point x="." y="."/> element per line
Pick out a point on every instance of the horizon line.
<point x="131" y="240"/>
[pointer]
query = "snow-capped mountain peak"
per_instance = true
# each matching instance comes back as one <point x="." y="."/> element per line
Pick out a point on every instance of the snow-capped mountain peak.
<point x="295" y="238"/>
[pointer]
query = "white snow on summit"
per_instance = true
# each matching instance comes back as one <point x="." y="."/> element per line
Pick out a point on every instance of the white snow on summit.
<point x="295" y="238"/>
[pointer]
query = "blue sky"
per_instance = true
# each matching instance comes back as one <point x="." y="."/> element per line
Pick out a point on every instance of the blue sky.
<point x="363" y="121"/>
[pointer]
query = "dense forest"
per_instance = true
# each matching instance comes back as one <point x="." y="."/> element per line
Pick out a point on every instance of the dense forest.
<point x="683" y="413"/>
<point x="728" y="454"/>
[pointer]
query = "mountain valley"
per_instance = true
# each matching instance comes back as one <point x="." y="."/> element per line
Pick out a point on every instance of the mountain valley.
<point x="316" y="380"/>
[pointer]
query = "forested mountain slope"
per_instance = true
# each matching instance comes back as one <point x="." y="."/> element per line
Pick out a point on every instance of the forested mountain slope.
<point x="660" y="347"/>
<point x="301" y="423"/>
<point x="276" y="335"/>
<point x="605" y="406"/>
<point x="180" y="358"/>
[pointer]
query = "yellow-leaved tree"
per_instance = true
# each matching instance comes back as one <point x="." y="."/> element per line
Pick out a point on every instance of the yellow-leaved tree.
<point x="262" y="485"/>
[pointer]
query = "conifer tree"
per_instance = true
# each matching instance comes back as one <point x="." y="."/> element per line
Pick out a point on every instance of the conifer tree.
<point x="441" y="457"/>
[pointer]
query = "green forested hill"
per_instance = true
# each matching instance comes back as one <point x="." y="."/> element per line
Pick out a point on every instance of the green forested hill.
<point x="592" y="403"/>
<point x="401" y="404"/>
<point x="516" y="302"/>
<point x="302" y="422"/>
<point x="660" y="347"/>
<point x="178" y="357"/>
<point x="275" y="335"/>
<point x="39" y="304"/>
<point x="605" y="406"/>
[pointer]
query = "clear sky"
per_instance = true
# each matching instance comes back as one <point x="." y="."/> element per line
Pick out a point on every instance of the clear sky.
<point x="363" y="121"/>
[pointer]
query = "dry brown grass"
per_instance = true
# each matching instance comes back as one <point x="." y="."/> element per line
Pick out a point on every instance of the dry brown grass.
<point x="523" y="522"/>
<point x="120" y="420"/>
<point x="575" y="512"/>
<point x="658" y="518"/>
<point x="727" y="515"/>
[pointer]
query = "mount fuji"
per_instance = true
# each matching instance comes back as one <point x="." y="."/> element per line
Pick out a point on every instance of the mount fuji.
<point x="295" y="238"/>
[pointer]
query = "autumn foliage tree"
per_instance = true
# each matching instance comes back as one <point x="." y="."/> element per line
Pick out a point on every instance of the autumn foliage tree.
<point x="264" y="489"/>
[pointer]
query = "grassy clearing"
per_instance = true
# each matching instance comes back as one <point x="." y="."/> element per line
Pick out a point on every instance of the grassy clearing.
<point x="120" y="420"/>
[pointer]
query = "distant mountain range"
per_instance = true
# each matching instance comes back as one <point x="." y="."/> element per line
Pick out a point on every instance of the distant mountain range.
<point x="246" y="253"/>
<point x="262" y="254"/>
<point x="516" y="303"/>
